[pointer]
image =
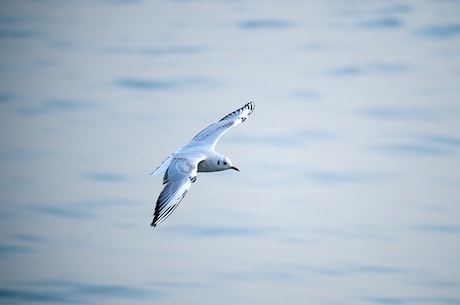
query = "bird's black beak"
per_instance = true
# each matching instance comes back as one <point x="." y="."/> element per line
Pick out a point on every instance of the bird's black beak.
<point x="235" y="168"/>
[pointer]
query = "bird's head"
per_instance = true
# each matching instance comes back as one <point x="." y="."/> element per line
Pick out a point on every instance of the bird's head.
<point x="224" y="163"/>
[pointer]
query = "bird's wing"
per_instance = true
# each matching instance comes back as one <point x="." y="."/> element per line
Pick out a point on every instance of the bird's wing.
<point x="163" y="166"/>
<point x="209" y="136"/>
<point x="178" y="178"/>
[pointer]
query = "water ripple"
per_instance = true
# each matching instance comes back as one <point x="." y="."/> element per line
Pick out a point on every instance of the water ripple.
<point x="18" y="34"/>
<point x="384" y="23"/>
<point x="217" y="231"/>
<point x="393" y="113"/>
<point x="123" y="2"/>
<point x="30" y="238"/>
<point x="396" y="9"/>
<point x="422" y="145"/>
<point x="444" y="140"/>
<point x="82" y="209"/>
<point x="71" y="292"/>
<point x="444" y="31"/>
<point x="265" y="24"/>
<point x="378" y="68"/>
<point x="64" y="212"/>
<point x="438" y="228"/>
<point x="13" y="249"/>
<point x="305" y="94"/>
<point x="165" y="51"/>
<point x="53" y="106"/>
<point x="387" y="300"/>
<point x="346" y="71"/>
<point x="412" y="149"/>
<point x="146" y="84"/>
<point x="408" y="300"/>
<point x="31" y="296"/>
<point x="4" y="97"/>
<point x="352" y="269"/>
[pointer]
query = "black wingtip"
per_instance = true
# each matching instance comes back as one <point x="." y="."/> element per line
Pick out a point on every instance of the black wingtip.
<point x="248" y="106"/>
<point x="153" y="224"/>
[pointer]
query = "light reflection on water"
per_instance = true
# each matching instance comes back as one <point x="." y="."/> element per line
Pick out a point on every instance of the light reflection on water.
<point x="349" y="164"/>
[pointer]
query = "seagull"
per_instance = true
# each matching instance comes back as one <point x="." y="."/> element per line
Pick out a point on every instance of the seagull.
<point x="181" y="167"/>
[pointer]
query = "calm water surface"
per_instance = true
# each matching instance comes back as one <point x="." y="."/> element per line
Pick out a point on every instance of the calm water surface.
<point x="349" y="184"/>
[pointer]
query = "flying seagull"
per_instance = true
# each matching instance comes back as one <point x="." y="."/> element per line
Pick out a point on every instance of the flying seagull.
<point x="180" y="168"/>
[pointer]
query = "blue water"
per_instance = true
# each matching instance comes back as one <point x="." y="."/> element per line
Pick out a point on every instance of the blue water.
<point x="349" y="185"/>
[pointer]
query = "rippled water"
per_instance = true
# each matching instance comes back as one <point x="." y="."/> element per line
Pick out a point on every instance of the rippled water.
<point x="349" y="184"/>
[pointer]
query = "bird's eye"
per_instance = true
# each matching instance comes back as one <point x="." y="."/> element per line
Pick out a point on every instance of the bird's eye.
<point x="225" y="163"/>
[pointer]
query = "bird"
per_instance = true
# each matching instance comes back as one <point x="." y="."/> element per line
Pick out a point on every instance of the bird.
<point x="181" y="167"/>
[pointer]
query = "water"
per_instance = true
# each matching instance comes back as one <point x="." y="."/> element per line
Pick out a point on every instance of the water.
<point x="348" y="191"/>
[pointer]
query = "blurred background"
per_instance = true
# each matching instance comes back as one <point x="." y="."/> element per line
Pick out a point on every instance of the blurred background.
<point x="349" y="184"/>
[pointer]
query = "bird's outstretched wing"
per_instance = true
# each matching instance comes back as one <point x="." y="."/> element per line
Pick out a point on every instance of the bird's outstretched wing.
<point x="209" y="136"/>
<point x="163" y="166"/>
<point x="178" y="178"/>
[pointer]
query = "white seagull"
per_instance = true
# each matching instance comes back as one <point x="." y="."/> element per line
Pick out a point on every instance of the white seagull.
<point x="181" y="167"/>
